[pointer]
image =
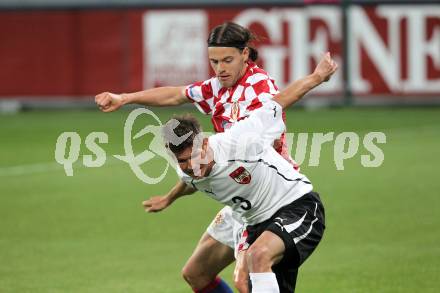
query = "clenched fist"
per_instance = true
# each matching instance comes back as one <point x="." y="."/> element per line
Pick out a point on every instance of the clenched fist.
<point x="109" y="102"/>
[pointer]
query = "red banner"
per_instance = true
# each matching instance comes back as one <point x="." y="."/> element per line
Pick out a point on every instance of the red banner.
<point x="394" y="50"/>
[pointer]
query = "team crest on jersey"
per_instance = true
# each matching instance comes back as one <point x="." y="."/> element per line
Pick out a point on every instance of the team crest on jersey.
<point x="219" y="219"/>
<point x="241" y="175"/>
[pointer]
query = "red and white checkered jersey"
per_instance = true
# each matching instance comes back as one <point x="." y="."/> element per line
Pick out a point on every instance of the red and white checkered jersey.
<point x="228" y="105"/>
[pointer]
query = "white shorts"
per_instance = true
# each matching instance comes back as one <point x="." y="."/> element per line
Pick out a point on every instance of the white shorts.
<point x="226" y="228"/>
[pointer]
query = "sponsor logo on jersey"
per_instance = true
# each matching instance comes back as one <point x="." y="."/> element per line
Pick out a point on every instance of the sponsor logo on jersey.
<point x="241" y="175"/>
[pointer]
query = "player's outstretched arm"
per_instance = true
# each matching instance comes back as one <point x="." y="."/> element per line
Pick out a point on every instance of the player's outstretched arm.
<point x="161" y="96"/>
<point x="296" y="90"/>
<point x="158" y="203"/>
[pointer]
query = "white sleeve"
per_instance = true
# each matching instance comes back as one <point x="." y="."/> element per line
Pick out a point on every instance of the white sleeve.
<point x="249" y="137"/>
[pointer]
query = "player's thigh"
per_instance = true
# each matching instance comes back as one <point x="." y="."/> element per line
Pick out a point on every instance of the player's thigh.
<point x="209" y="258"/>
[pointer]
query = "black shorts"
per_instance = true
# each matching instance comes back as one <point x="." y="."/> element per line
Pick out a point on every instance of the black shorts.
<point x="300" y="225"/>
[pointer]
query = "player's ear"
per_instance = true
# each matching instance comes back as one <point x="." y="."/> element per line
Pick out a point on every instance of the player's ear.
<point x="245" y="54"/>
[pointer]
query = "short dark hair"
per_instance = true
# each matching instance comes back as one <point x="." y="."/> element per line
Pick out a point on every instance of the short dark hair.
<point x="178" y="127"/>
<point x="230" y="34"/>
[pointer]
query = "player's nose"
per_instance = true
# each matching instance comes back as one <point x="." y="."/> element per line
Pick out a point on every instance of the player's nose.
<point x="189" y="165"/>
<point x="221" y="68"/>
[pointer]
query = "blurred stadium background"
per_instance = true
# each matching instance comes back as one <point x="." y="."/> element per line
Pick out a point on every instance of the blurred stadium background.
<point x="88" y="232"/>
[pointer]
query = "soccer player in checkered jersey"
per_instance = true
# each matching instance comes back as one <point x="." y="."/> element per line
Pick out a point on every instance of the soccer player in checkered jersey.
<point x="238" y="88"/>
<point x="239" y="168"/>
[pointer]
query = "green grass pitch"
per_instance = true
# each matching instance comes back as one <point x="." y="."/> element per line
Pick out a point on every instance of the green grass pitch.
<point x="89" y="233"/>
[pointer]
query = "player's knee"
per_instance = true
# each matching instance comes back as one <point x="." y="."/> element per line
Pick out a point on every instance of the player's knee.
<point x="188" y="274"/>
<point x="194" y="278"/>
<point x="259" y="258"/>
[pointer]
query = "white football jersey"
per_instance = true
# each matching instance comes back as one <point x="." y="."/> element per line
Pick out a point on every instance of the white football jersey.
<point x="248" y="174"/>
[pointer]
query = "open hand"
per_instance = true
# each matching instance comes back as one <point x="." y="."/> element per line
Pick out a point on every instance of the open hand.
<point x="156" y="204"/>
<point x="326" y="67"/>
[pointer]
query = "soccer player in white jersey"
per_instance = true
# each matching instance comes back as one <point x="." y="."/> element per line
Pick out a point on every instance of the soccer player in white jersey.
<point x="284" y="217"/>
<point x="238" y="88"/>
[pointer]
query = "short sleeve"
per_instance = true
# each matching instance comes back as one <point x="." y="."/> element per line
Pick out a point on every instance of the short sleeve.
<point x="201" y="95"/>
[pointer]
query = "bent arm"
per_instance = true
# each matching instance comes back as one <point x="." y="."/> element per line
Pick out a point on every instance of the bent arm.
<point x="249" y="137"/>
<point x="159" y="203"/>
<point x="179" y="190"/>
<point x="296" y="90"/>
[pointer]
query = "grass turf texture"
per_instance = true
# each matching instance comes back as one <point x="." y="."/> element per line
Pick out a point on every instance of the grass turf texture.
<point x="89" y="233"/>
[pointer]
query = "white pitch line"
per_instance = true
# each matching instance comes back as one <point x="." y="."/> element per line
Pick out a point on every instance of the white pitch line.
<point x="27" y="169"/>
